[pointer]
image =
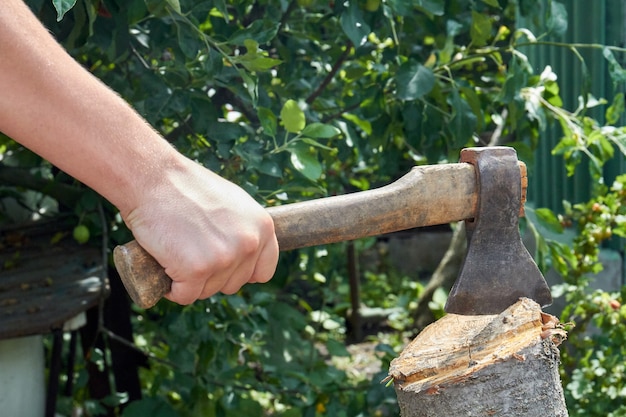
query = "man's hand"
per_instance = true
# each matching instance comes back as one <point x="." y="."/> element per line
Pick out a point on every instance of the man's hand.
<point x="208" y="234"/>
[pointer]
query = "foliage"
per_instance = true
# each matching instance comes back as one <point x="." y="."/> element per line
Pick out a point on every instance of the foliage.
<point x="593" y="372"/>
<point x="593" y="359"/>
<point x="248" y="353"/>
<point x="294" y="100"/>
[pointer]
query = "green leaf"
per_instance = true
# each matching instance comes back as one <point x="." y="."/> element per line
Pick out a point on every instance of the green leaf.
<point x="268" y="120"/>
<point x="337" y="349"/>
<point x="62" y="7"/>
<point x="159" y="8"/>
<point x="557" y="23"/>
<point x="600" y="146"/>
<point x="363" y="124"/>
<point x="251" y="86"/>
<point x="475" y="105"/>
<point x="236" y="405"/>
<point x="136" y="11"/>
<point x="251" y="45"/>
<point x="254" y="59"/>
<point x="617" y="73"/>
<point x="413" y="81"/>
<point x="432" y="7"/>
<point x="292" y="117"/>
<point x="320" y="131"/>
<point x="212" y="63"/>
<point x="188" y="40"/>
<point x="226" y="132"/>
<point x="305" y="161"/>
<point x="595" y="166"/>
<point x="271" y="168"/>
<point x="175" y="5"/>
<point x="153" y="407"/>
<point x="82" y="26"/>
<point x="355" y="73"/>
<point x="551" y="93"/>
<point x="291" y="412"/>
<point x="548" y="219"/>
<point x="463" y="122"/>
<point x="493" y="3"/>
<point x="615" y="110"/>
<point x="221" y="6"/>
<point x="480" y="31"/>
<point x="354" y="25"/>
<point x="316" y="144"/>
<point x="619" y="138"/>
<point x="516" y="79"/>
<point x="401" y="7"/>
<point x="260" y="30"/>
<point x="258" y="62"/>
<point x="407" y="7"/>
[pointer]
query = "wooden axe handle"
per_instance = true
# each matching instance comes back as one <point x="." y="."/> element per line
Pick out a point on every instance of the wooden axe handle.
<point x="428" y="195"/>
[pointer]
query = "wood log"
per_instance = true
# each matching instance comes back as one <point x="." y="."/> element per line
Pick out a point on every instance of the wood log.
<point x="495" y="365"/>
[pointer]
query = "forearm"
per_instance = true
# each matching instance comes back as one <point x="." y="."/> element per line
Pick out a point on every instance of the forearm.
<point x="41" y="85"/>
<point x="207" y="233"/>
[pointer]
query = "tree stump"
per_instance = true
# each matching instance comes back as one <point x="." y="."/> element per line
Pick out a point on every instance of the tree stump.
<point x="495" y="365"/>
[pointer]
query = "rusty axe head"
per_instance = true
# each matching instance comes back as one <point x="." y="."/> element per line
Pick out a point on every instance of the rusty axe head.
<point x="498" y="270"/>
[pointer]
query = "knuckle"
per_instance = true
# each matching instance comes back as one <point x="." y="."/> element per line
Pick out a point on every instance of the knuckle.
<point x="230" y="289"/>
<point x="222" y="259"/>
<point x="198" y="268"/>
<point x="249" y="244"/>
<point x="180" y="295"/>
<point x="266" y="224"/>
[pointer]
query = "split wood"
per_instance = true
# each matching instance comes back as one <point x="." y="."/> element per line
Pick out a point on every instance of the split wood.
<point x="495" y="365"/>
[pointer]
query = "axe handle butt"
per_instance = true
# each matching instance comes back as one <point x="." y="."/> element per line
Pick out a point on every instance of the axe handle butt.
<point x="426" y="196"/>
<point x="143" y="277"/>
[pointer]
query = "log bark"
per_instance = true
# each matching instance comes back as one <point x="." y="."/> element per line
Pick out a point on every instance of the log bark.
<point x="496" y="365"/>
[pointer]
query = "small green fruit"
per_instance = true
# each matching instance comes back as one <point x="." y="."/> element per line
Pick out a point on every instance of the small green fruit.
<point x="293" y="117"/>
<point x="372" y="5"/>
<point x="81" y="234"/>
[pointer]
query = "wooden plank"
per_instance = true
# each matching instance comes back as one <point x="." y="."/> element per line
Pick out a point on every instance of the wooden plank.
<point x="43" y="282"/>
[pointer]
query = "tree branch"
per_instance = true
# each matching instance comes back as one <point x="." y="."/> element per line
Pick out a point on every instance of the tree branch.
<point x="310" y="99"/>
<point x="65" y="194"/>
<point x="443" y="277"/>
<point x="340" y="113"/>
<point x="225" y="96"/>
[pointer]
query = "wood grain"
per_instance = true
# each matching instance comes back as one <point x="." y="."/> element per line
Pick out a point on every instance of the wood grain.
<point x="427" y="195"/>
<point x="495" y="365"/>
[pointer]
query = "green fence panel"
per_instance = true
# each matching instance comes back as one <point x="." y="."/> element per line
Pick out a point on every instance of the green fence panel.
<point x="589" y="22"/>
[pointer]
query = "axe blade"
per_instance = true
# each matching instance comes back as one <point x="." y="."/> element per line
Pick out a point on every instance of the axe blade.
<point x="498" y="269"/>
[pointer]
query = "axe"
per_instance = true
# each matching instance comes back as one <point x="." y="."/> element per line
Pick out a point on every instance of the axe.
<point x="486" y="189"/>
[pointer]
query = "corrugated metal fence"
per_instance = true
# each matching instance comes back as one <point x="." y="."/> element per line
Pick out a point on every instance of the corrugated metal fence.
<point x="590" y="22"/>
